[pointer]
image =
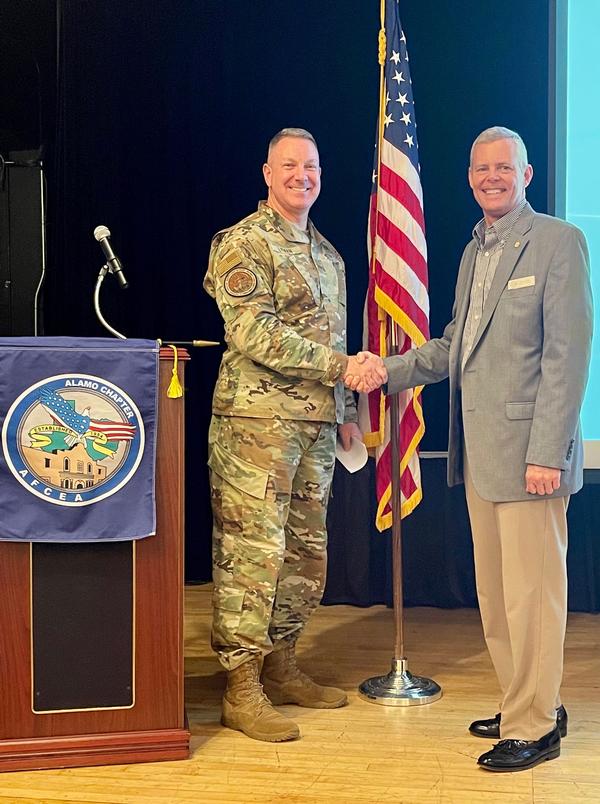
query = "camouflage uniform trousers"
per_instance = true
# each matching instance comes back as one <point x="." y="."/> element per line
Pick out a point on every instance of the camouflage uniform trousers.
<point x="270" y="481"/>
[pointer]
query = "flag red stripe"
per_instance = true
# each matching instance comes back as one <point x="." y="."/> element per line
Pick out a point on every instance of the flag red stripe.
<point x="399" y="188"/>
<point x="407" y="482"/>
<point x="112" y="425"/>
<point x="397" y="240"/>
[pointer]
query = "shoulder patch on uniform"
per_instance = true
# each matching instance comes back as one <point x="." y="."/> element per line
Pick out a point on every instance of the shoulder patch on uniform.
<point x="229" y="261"/>
<point x="240" y="282"/>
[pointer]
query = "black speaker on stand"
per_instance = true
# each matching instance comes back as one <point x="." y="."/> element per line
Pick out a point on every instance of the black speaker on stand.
<point x="22" y="243"/>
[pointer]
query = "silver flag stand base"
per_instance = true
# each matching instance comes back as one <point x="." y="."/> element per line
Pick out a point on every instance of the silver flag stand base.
<point x="400" y="688"/>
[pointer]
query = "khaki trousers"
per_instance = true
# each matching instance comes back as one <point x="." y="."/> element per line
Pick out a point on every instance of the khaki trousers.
<point x="520" y="568"/>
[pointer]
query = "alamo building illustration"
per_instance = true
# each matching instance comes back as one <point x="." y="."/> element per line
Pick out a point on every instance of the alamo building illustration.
<point x="65" y="469"/>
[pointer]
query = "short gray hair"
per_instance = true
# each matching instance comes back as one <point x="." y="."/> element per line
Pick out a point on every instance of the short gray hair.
<point x="501" y="133"/>
<point x="300" y="133"/>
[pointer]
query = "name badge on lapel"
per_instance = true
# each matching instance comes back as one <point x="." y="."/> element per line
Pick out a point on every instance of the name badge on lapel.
<point x="523" y="282"/>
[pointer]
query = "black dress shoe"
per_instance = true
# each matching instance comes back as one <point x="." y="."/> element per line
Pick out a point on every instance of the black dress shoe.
<point x="486" y="728"/>
<point x="518" y="755"/>
<point x="491" y="726"/>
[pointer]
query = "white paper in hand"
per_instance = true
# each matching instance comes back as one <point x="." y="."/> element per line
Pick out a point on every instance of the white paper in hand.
<point x="355" y="458"/>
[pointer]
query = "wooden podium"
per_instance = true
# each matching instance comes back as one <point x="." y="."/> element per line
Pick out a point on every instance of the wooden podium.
<point x="91" y="635"/>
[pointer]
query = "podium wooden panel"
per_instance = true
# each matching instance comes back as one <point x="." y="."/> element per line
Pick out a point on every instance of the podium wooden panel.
<point x="155" y="727"/>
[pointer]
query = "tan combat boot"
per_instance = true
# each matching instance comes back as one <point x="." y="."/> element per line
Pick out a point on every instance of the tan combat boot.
<point x="247" y="709"/>
<point x="285" y="683"/>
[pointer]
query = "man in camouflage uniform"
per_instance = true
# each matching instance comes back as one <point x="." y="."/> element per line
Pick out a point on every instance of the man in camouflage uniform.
<point x="278" y="404"/>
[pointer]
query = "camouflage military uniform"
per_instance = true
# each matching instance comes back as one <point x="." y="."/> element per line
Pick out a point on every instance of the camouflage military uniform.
<point x="278" y="399"/>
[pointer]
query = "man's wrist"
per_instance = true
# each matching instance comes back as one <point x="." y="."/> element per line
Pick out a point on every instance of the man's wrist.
<point x="338" y="365"/>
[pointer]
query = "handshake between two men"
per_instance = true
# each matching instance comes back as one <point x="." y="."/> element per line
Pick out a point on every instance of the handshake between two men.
<point x="365" y="372"/>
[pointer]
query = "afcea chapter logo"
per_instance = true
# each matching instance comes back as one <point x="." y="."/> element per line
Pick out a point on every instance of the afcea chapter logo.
<point x="73" y="439"/>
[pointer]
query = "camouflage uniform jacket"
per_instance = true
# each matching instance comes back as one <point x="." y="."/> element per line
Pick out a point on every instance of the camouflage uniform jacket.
<point x="282" y="294"/>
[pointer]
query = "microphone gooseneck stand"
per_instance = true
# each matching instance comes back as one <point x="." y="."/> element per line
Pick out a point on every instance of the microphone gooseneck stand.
<point x="106" y="269"/>
<point x="103" y="271"/>
<point x="113" y="266"/>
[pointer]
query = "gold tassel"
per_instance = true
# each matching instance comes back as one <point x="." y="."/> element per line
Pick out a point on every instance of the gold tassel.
<point x="174" y="391"/>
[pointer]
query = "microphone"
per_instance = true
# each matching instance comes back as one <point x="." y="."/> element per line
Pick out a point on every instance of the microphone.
<point x="102" y="233"/>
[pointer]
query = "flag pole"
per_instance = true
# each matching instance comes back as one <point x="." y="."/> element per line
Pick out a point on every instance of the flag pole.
<point x="399" y="687"/>
<point x="397" y="574"/>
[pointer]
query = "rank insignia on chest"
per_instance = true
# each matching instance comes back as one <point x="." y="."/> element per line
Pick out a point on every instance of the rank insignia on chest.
<point x="240" y="282"/>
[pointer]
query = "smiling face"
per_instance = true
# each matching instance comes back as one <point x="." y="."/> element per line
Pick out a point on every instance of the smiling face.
<point x="497" y="178"/>
<point x="293" y="176"/>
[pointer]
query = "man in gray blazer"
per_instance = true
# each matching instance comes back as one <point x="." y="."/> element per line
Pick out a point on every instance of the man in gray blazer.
<point x="517" y="353"/>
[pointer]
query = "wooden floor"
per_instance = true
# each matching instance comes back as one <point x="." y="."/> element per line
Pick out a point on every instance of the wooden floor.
<point x="363" y="753"/>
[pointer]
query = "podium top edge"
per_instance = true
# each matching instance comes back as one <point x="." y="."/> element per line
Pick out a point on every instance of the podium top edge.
<point x="166" y="353"/>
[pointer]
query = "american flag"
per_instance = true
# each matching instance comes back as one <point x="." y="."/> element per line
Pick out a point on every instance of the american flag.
<point x="63" y="411"/>
<point x="114" y="431"/>
<point x="398" y="269"/>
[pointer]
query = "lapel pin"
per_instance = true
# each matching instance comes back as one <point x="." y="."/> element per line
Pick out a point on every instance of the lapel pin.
<point x="517" y="243"/>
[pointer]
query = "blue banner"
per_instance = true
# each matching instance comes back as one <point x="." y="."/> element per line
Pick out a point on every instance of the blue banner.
<point x="78" y="421"/>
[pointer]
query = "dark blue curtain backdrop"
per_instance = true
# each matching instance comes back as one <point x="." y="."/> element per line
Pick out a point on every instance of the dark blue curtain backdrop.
<point x="156" y="121"/>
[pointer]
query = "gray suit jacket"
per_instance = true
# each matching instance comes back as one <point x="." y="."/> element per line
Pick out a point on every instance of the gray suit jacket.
<point x="524" y="380"/>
